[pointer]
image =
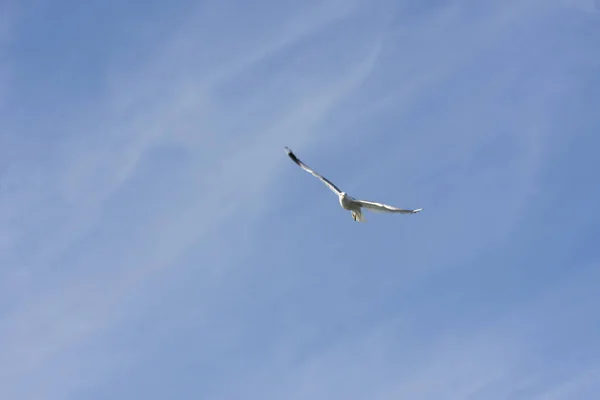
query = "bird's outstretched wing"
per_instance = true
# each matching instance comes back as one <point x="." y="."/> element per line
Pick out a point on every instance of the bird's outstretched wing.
<point x="379" y="207"/>
<point x="313" y="173"/>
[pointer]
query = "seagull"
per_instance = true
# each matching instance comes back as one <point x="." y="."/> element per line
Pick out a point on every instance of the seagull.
<point x="348" y="202"/>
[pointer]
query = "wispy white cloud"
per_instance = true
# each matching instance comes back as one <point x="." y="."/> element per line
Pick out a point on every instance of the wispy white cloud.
<point x="523" y="353"/>
<point x="151" y="238"/>
<point x="78" y="249"/>
<point x="584" y="385"/>
<point x="86" y="169"/>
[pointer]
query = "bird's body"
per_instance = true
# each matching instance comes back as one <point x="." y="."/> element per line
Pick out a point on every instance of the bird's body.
<point x="348" y="202"/>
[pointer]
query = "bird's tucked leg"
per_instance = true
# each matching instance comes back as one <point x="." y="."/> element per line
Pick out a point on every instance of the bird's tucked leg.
<point x="358" y="216"/>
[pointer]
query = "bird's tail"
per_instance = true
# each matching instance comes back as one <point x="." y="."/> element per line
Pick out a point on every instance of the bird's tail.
<point x="358" y="216"/>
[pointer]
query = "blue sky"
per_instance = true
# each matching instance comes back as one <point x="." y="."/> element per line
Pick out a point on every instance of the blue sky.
<point x="156" y="242"/>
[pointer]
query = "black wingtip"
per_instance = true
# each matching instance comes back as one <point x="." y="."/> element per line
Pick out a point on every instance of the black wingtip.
<point x="291" y="154"/>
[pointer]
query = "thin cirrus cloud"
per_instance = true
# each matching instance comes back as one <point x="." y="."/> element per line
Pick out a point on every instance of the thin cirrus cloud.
<point x="156" y="242"/>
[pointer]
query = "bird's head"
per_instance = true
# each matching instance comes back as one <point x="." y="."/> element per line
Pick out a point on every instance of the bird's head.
<point x="343" y="195"/>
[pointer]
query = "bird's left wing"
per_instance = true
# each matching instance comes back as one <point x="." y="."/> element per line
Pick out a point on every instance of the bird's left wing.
<point x="380" y="207"/>
<point x="313" y="173"/>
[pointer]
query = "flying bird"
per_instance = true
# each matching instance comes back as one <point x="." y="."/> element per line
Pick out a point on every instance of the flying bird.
<point x="348" y="202"/>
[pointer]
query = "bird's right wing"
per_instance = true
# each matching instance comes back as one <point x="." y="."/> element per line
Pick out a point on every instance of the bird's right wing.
<point x="380" y="207"/>
<point x="313" y="173"/>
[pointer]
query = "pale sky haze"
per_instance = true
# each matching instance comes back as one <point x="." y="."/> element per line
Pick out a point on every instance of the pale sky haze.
<point x="157" y="243"/>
